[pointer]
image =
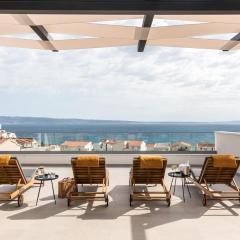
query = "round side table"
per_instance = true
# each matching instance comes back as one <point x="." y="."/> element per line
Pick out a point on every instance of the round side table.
<point x="180" y="175"/>
<point x="45" y="178"/>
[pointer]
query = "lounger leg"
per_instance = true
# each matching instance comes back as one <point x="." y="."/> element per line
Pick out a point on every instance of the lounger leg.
<point x="204" y="200"/>
<point x="40" y="185"/>
<point x="106" y="199"/>
<point x="130" y="200"/>
<point x="169" y="202"/>
<point x="20" y="200"/>
<point x="68" y="202"/>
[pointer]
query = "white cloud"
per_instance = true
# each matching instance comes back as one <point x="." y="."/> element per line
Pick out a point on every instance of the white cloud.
<point x="119" y="83"/>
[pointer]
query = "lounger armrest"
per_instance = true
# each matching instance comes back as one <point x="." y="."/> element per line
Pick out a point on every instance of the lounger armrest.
<point x="107" y="178"/>
<point x="200" y="186"/>
<point x="22" y="189"/>
<point x="167" y="190"/>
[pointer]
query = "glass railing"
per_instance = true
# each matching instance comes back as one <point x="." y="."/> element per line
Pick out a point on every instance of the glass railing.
<point x="112" y="141"/>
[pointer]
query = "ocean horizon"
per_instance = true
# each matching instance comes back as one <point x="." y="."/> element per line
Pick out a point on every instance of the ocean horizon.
<point x="192" y="133"/>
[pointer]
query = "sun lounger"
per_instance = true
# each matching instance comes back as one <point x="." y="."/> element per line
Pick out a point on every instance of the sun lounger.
<point x="148" y="170"/>
<point x="218" y="169"/>
<point x="89" y="170"/>
<point x="14" y="180"/>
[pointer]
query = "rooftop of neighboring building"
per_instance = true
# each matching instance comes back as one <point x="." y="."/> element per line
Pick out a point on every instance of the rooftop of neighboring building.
<point x="134" y="143"/>
<point x="24" y="140"/>
<point x="75" y="143"/>
<point x="205" y="145"/>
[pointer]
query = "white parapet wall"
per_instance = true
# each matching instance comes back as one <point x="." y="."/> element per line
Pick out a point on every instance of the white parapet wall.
<point x="227" y="142"/>
<point x="61" y="158"/>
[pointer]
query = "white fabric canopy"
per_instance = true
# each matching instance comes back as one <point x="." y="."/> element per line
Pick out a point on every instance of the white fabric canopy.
<point x="95" y="31"/>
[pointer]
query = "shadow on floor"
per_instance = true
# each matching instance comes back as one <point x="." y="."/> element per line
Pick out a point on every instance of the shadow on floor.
<point x="143" y="215"/>
<point x="11" y="206"/>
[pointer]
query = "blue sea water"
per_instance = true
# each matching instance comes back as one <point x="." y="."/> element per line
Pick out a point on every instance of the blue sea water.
<point x="150" y="132"/>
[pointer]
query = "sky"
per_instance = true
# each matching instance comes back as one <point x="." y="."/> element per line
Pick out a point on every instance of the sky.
<point x="160" y="84"/>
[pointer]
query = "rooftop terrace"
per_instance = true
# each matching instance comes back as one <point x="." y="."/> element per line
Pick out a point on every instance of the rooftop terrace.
<point x="153" y="220"/>
<point x="92" y="220"/>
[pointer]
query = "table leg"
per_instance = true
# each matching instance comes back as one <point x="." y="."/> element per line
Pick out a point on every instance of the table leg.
<point x="187" y="187"/>
<point x="53" y="192"/>
<point x="40" y="185"/>
<point x="183" y="189"/>
<point x="171" y="184"/>
<point x="175" y="185"/>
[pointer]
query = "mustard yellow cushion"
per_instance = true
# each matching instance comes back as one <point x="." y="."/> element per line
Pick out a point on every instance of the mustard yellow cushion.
<point x="151" y="161"/>
<point x="4" y="160"/>
<point x="224" y="161"/>
<point x="88" y="161"/>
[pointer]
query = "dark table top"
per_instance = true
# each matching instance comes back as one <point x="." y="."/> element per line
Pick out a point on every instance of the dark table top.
<point x="178" y="174"/>
<point x="46" y="177"/>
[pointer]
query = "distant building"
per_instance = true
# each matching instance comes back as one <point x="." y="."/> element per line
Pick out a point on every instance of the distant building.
<point x="181" y="146"/>
<point x="27" y="142"/>
<point x="162" y="147"/>
<point x="4" y="134"/>
<point x="53" y="147"/>
<point x="7" y="144"/>
<point x="135" y="145"/>
<point x="113" y="145"/>
<point x="150" y="146"/>
<point x="205" y="147"/>
<point x="77" y="146"/>
<point x="98" y="146"/>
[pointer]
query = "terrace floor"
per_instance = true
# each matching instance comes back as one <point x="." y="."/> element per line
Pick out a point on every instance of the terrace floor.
<point x="153" y="220"/>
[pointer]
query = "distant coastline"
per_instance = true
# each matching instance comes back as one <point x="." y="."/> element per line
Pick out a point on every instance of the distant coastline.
<point x="53" y="131"/>
<point x="16" y="120"/>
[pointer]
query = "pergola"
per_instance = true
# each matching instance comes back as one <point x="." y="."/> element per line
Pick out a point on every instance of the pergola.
<point x="90" y="23"/>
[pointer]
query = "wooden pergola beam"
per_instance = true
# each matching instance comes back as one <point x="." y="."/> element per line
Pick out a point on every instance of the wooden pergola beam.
<point x="43" y="34"/>
<point x="40" y="30"/>
<point x="147" y="23"/>
<point x="232" y="43"/>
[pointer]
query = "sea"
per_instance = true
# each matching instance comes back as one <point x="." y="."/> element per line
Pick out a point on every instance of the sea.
<point x="192" y="133"/>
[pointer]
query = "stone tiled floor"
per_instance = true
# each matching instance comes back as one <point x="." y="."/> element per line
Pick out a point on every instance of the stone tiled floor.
<point x="153" y="220"/>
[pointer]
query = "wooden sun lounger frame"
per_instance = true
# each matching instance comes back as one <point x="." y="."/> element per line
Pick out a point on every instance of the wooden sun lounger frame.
<point x="210" y="176"/>
<point x="145" y="176"/>
<point x="22" y="185"/>
<point x="87" y="178"/>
